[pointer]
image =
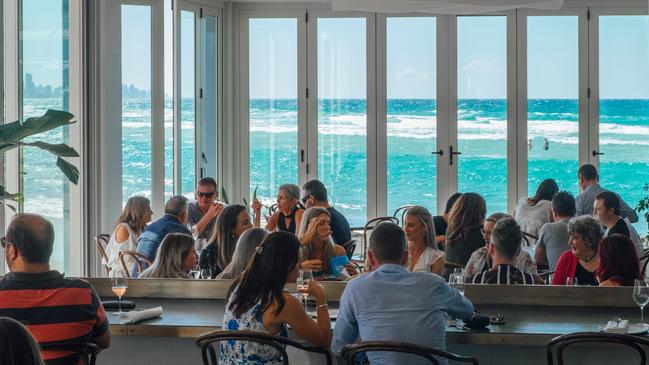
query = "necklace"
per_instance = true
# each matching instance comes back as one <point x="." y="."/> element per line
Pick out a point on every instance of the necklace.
<point x="590" y="258"/>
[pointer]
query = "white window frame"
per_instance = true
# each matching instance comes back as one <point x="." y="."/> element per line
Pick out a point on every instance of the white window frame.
<point x="242" y="154"/>
<point x="77" y="251"/>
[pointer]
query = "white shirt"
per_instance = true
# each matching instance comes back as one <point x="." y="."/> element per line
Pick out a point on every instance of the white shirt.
<point x="426" y="259"/>
<point x="531" y="218"/>
<point x="113" y="249"/>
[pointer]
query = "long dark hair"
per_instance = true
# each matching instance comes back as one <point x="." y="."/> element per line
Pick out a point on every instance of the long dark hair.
<point x="264" y="279"/>
<point x="468" y="212"/>
<point x="618" y="260"/>
<point x="546" y="190"/>
<point x="17" y="346"/>
<point x="223" y="235"/>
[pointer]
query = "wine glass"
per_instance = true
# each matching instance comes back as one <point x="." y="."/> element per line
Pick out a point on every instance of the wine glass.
<point x="120" y="284"/>
<point x="206" y="274"/>
<point x="641" y="295"/>
<point x="456" y="281"/>
<point x="303" y="279"/>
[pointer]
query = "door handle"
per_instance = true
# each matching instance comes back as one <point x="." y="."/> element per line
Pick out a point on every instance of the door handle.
<point x="440" y="152"/>
<point x="451" y="153"/>
<point x="597" y="153"/>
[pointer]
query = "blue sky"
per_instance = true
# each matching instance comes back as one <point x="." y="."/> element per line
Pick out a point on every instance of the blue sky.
<point x="552" y="55"/>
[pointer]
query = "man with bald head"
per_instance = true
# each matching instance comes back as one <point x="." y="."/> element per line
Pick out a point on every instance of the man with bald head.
<point x="55" y="309"/>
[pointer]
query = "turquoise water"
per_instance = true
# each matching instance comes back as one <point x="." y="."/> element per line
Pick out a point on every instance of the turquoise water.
<point x="412" y="131"/>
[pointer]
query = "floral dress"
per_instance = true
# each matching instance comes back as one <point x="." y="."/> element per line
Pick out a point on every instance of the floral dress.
<point x="247" y="352"/>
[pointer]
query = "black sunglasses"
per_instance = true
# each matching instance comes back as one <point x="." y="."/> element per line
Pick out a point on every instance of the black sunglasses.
<point x="4" y="242"/>
<point x="304" y="199"/>
<point x="202" y="194"/>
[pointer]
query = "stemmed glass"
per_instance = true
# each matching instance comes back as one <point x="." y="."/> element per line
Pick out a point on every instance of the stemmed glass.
<point x="120" y="284"/>
<point x="641" y="295"/>
<point x="303" y="279"/>
<point x="206" y="274"/>
<point x="456" y="280"/>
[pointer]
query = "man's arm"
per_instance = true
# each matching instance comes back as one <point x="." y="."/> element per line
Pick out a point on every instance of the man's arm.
<point x="346" y="330"/>
<point x="539" y="252"/>
<point x="456" y="304"/>
<point x="101" y="331"/>
<point x="579" y="205"/>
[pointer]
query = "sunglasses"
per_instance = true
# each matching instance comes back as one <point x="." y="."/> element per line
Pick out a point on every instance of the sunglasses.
<point x="3" y="242"/>
<point x="202" y="194"/>
<point x="304" y="199"/>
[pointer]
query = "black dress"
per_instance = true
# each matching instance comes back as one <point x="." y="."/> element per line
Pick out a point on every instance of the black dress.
<point x="281" y="221"/>
<point x="209" y="259"/>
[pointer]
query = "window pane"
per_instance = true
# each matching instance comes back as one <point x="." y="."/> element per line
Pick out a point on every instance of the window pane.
<point x="411" y="112"/>
<point x="209" y="102"/>
<point x="552" y="105"/>
<point x="342" y="114"/>
<point x="44" y="42"/>
<point x="273" y="105"/>
<point x="136" y="101"/>
<point x="187" y="102"/>
<point x="168" y="101"/>
<point x="482" y="108"/>
<point x="624" y="106"/>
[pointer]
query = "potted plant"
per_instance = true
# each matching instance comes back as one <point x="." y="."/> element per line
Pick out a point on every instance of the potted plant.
<point x="13" y="134"/>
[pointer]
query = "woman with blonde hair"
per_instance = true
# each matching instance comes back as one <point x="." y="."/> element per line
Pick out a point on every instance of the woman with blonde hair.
<point x="130" y="224"/>
<point x="246" y="246"/>
<point x="464" y="235"/>
<point x="318" y="248"/>
<point x="423" y="254"/>
<point x="175" y="258"/>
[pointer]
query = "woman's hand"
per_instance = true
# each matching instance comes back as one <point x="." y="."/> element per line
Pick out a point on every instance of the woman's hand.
<point x="317" y="291"/>
<point x="313" y="265"/>
<point x="312" y="229"/>
<point x="351" y="269"/>
<point x="256" y="207"/>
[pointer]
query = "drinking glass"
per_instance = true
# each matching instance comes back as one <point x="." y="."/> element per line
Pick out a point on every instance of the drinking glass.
<point x="206" y="274"/>
<point x="195" y="273"/>
<point x="456" y="281"/>
<point x="641" y="295"/>
<point x="303" y="279"/>
<point x="120" y="284"/>
<point x="572" y="281"/>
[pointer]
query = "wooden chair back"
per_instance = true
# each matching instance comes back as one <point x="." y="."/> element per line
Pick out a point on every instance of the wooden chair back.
<point x="86" y="350"/>
<point x="369" y="226"/>
<point x="210" y="352"/>
<point x="350" y="352"/>
<point x="101" y="241"/>
<point x="400" y="212"/>
<point x="638" y="344"/>
<point x="138" y="258"/>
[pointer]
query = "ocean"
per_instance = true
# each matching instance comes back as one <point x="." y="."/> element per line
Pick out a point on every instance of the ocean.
<point x="412" y="132"/>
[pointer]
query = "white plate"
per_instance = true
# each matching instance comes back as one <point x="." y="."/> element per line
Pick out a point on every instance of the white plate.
<point x="637" y="328"/>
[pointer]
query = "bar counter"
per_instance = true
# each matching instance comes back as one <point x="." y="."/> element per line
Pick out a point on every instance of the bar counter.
<point x="533" y="316"/>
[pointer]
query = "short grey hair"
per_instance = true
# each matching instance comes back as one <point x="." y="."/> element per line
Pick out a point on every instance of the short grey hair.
<point x="588" y="228"/>
<point x="426" y="219"/>
<point x="291" y="190"/>
<point x="176" y="205"/>
<point x="506" y="237"/>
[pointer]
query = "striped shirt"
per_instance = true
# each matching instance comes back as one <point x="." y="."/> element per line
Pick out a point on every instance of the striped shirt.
<point x="503" y="274"/>
<point x="54" y="309"/>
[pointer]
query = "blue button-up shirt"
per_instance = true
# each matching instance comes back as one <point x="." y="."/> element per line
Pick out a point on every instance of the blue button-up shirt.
<point x="153" y="235"/>
<point x="393" y="304"/>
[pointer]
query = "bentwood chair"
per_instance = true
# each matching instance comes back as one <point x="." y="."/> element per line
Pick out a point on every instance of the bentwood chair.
<point x="87" y="351"/>
<point x="350" y="352"/>
<point x="401" y="212"/>
<point x="527" y="237"/>
<point x="101" y="241"/>
<point x="369" y="226"/>
<point x="209" y="344"/>
<point x="138" y="258"/>
<point x="639" y="344"/>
